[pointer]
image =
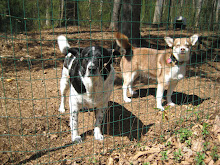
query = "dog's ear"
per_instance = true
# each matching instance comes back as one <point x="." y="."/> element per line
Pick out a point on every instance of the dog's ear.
<point x="69" y="59"/>
<point x="169" y="41"/>
<point x="75" y="51"/>
<point x="194" y="39"/>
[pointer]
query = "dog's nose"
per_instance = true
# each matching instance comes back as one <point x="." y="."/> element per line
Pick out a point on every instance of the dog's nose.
<point x="182" y="49"/>
<point x="92" y="69"/>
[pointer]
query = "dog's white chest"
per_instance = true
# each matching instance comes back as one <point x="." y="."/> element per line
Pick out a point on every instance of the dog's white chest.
<point x="176" y="73"/>
<point x="98" y="91"/>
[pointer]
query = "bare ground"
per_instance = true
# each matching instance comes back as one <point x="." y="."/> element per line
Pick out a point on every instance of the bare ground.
<point x="33" y="131"/>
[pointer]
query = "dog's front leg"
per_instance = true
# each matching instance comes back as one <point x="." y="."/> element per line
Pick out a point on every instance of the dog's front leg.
<point x="64" y="86"/>
<point x="171" y="87"/>
<point x="74" y="122"/>
<point x="99" y="112"/>
<point x="160" y="90"/>
<point x="125" y="97"/>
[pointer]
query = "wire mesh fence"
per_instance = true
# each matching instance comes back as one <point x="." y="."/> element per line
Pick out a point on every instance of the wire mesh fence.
<point x="34" y="131"/>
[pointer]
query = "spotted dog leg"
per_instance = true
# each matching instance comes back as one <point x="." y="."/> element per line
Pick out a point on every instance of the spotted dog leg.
<point x="99" y="113"/>
<point x="64" y="85"/>
<point x="74" y="122"/>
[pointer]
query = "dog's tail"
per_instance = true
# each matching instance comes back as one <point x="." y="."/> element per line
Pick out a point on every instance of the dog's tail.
<point x="122" y="41"/>
<point x="63" y="44"/>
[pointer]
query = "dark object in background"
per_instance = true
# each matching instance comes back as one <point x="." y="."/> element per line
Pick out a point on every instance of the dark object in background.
<point x="179" y="23"/>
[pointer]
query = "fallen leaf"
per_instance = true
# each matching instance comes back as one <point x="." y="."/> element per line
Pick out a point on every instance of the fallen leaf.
<point x="185" y="163"/>
<point x="197" y="145"/>
<point x="9" y="80"/>
<point x="216" y="125"/>
<point x="211" y="162"/>
<point x="151" y="157"/>
<point x="188" y="152"/>
<point x="22" y="58"/>
<point x="217" y="120"/>
<point x="110" y="161"/>
<point x="207" y="160"/>
<point x="140" y="153"/>
<point x="53" y="136"/>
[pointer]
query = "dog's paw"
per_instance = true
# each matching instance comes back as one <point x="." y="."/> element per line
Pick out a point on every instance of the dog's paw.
<point x="77" y="139"/>
<point x="61" y="109"/>
<point x="160" y="108"/>
<point x="127" y="100"/>
<point x="99" y="137"/>
<point x="97" y="134"/>
<point x="171" y="104"/>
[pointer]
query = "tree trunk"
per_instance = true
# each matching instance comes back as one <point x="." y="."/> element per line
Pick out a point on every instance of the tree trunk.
<point x="171" y="11"/>
<point x="212" y="14"/>
<point x="76" y="12"/>
<point x="181" y="7"/>
<point x="158" y="12"/>
<point x="198" y="11"/>
<point x="168" y="15"/>
<point x="115" y="15"/>
<point x="61" y="11"/>
<point x="47" y="13"/>
<point x="130" y="22"/>
<point x="217" y="10"/>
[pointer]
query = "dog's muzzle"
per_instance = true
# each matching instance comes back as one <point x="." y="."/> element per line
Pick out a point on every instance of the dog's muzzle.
<point x="93" y="70"/>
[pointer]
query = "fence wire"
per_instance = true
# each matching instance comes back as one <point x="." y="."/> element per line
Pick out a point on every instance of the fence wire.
<point x="34" y="131"/>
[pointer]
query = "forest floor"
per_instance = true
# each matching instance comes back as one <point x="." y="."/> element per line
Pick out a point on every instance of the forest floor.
<point x="34" y="132"/>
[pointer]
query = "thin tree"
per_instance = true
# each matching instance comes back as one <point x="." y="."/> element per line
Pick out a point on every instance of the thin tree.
<point x="47" y="13"/>
<point x="61" y="11"/>
<point x="171" y="11"/>
<point x="158" y="12"/>
<point x="217" y="10"/>
<point x="115" y="15"/>
<point x="213" y="5"/>
<point x="198" y="11"/>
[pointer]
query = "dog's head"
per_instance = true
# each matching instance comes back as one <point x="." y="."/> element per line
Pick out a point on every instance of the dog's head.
<point x="90" y="61"/>
<point x="182" y="46"/>
<point x="95" y="61"/>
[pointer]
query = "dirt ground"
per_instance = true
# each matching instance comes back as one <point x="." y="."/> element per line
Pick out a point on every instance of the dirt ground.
<point x="33" y="131"/>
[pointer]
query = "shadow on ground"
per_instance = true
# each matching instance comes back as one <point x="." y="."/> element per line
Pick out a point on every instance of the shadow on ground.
<point x="178" y="98"/>
<point x="121" y="122"/>
<point x="118" y="121"/>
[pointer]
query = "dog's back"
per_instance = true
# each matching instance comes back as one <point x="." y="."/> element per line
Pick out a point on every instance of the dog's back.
<point x="144" y="60"/>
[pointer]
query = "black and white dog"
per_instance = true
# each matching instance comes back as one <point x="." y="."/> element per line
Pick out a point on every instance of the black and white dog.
<point x="90" y="75"/>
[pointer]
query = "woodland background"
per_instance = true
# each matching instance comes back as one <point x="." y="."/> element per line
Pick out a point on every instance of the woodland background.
<point x="26" y="15"/>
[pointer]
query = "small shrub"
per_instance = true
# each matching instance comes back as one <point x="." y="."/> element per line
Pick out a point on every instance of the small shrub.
<point x="200" y="158"/>
<point x="205" y="146"/>
<point x="205" y="132"/>
<point x="164" y="155"/>
<point x="178" y="155"/>
<point x="185" y="134"/>
<point x="189" y="142"/>
<point x="214" y="154"/>
<point x="169" y="144"/>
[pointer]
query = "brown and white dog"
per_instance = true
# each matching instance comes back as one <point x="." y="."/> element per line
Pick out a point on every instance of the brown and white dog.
<point x="166" y="66"/>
